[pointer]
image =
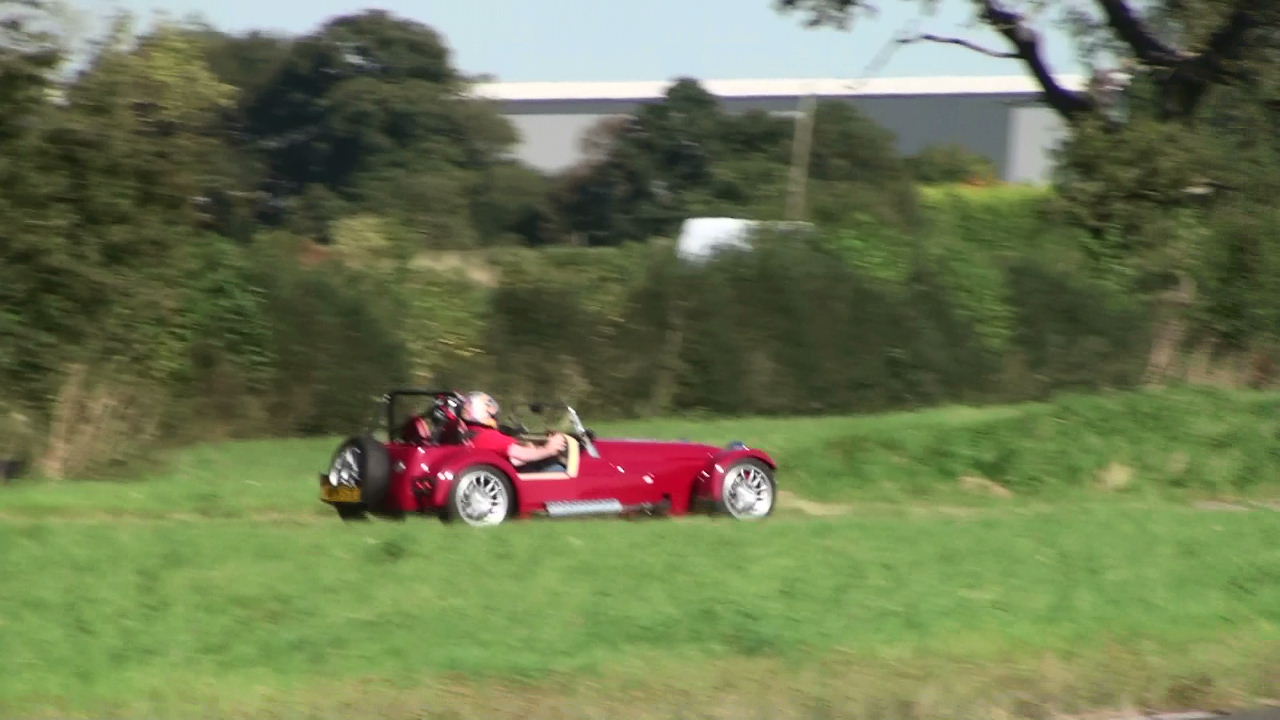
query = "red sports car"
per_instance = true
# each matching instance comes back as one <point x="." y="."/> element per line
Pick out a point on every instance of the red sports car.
<point x="427" y="465"/>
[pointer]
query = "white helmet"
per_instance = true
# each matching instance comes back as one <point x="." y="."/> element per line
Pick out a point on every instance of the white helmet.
<point x="480" y="407"/>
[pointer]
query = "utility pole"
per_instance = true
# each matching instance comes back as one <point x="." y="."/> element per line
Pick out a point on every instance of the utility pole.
<point x="801" y="142"/>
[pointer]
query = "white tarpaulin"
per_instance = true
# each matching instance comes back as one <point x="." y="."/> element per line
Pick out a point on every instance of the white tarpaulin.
<point x="701" y="237"/>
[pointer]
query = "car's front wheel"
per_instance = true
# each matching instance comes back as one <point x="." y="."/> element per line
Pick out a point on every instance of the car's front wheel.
<point x="749" y="491"/>
<point x="481" y="496"/>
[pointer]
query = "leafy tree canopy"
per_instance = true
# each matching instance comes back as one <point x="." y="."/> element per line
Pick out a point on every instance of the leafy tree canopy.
<point x="686" y="155"/>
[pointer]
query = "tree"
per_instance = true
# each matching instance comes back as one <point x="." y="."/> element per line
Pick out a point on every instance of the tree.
<point x="643" y="168"/>
<point x="370" y="109"/>
<point x="1172" y="160"/>
<point x="950" y="163"/>
<point x="247" y="62"/>
<point x="30" y="325"/>
<point x="686" y="156"/>
<point x="1184" y="202"/>
<point x="1182" y="70"/>
<point x="856" y="168"/>
<point x="105" y="192"/>
<point x="29" y="53"/>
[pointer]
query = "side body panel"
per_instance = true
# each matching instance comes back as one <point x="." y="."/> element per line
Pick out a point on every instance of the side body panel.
<point x="658" y="471"/>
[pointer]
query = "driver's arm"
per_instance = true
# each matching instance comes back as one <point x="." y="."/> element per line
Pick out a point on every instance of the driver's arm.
<point x="521" y="454"/>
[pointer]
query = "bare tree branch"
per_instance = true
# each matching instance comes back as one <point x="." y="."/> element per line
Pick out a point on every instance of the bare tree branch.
<point x="1069" y="104"/>
<point x="1190" y="75"/>
<point x="1130" y="28"/>
<point x="958" y="41"/>
<point x="1183" y="75"/>
<point x="1227" y="44"/>
<point x="1191" y="79"/>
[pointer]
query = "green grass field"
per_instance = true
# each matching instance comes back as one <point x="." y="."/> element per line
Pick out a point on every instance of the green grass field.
<point x="217" y="586"/>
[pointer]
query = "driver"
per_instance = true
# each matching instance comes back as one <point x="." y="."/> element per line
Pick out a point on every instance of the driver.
<point x="480" y="412"/>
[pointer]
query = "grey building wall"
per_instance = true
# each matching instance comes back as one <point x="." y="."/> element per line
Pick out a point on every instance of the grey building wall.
<point x="551" y="141"/>
<point x="1035" y="134"/>
<point x="1012" y="129"/>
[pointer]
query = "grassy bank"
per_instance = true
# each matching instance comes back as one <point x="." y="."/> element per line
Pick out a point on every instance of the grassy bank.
<point x="1178" y="443"/>
<point x="1184" y="442"/>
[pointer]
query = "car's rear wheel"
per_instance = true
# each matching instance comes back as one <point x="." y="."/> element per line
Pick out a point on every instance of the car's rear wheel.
<point x="350" y="511"/>
<point x="481" y="496"/>
<point x="361" y="462"/>
<point x="748" y="491"/>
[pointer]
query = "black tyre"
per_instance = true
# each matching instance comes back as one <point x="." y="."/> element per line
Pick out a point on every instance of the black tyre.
<point x="350" y="512"/>
<point x="364" y="461"/>
<point x="482" y="495"/>
<point x="749" y="491"/>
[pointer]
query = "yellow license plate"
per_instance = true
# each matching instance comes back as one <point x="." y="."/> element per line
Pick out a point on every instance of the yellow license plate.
<point x="341" y="493"/>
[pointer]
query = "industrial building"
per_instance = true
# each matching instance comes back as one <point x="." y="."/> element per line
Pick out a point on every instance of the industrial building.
<point x="1000" y="117"/>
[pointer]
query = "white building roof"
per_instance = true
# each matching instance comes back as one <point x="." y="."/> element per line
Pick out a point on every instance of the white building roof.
<point x="838" y="87"/>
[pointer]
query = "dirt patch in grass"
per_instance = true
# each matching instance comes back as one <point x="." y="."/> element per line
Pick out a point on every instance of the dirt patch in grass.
<point x="788" y="500"/>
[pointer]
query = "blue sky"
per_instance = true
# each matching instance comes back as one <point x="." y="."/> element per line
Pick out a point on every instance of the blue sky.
<point x="590" y="40"/>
